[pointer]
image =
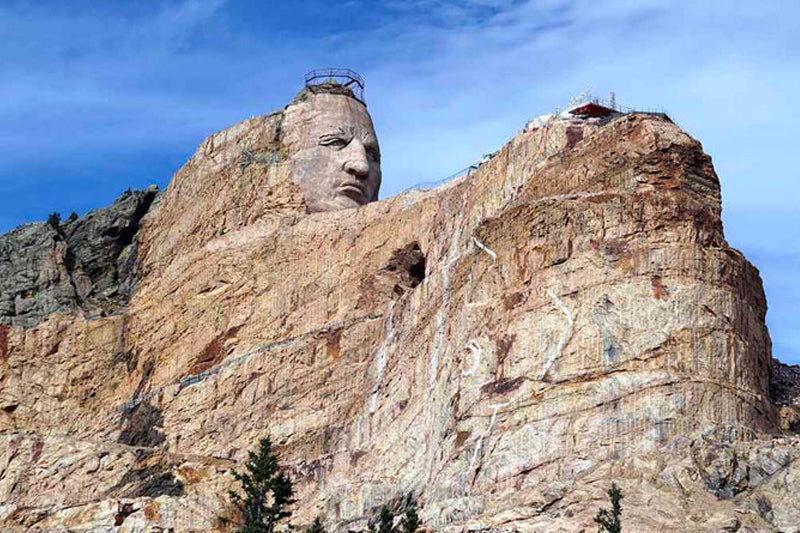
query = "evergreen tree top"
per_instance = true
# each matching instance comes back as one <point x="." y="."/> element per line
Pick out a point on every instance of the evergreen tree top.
<point x="268" y="492"/>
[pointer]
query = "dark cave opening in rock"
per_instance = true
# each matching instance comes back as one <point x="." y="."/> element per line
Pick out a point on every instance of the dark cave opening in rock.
<point x="408" y="265"/>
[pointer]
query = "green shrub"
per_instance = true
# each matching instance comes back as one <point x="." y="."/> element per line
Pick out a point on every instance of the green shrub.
<point x="385" y="521"/>
<point x="610" y="521"/>
<point x="411" y="521"/>
<point x="316" y="527"/>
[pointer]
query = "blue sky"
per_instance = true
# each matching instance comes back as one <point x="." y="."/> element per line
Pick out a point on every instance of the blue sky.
<point x="96" y="97"/>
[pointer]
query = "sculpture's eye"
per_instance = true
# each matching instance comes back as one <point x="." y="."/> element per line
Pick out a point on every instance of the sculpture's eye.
<point x="374" y="154"/>
<point x="334" y="142"/>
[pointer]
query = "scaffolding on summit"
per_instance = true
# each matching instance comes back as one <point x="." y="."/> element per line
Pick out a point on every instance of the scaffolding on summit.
<point x="583" y="107"/>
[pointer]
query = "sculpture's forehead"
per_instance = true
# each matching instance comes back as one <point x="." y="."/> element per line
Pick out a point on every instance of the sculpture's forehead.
<point x="329" y="113"/>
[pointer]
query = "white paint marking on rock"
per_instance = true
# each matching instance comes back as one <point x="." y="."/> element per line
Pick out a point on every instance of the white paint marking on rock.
<point x="380" y="356"/>
<point x="555" y="353"/>
<point x="486" y="249"/>
<point x="452" y="258"/>
<point x="359" y="433"/>
<point x="437" y="341"/>
<point x="479" y="446"/>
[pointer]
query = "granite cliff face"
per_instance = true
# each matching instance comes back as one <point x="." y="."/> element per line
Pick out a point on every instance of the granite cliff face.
<point x="498" y="349"/>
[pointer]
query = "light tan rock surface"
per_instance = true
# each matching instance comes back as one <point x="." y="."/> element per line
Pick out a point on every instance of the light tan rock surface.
<point x="581" y="320"/>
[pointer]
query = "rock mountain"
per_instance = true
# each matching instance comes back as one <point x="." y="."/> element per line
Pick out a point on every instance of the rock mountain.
<point x="498" y="349"/>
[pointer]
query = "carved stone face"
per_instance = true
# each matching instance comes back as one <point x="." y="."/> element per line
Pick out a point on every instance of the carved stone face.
<point x="336" y="157"/>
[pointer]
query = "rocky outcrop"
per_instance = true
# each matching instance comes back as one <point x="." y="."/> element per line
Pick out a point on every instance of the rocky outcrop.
<point x="87" y="263"/>
<point x="499" y="350"/>
<point x="785" y="391"/>
<point x="784" y="383"/>
<point x="104" y="246"/>
<point x="35" y="275"/>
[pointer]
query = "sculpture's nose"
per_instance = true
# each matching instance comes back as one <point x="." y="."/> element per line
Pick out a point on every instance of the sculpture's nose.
<point x="356" y="162"/>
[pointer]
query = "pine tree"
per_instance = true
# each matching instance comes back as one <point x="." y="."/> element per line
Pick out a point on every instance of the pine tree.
<point x="267" y="491"/>
<point x="386" y="521"/>
<point x="316" y="527"/>
<point x="411" y="521"/>
<point x="610" y="521"/>
<point x="54" y="220"/>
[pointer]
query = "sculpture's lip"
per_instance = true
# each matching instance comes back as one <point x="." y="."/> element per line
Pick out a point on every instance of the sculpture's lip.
<point x="353" y="190"/>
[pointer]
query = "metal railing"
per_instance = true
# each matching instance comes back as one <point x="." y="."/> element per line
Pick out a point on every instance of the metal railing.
<point x="433" y="184"/>
<point x="612" y="104"/>
<point x="337" y="76"/>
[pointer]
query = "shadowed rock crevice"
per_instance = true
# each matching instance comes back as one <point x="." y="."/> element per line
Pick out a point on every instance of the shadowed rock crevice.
<point x="130" y="358"/>
<point x="142" y="423"/>
<point x="151" y="477"/>
<point x="123" y="511"/>
<point x="727" y="472"/>
<point x="502" y="386"/>
<point x="213" y="352"/>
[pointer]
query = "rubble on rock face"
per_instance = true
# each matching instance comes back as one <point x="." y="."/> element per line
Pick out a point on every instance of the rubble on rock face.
<point x="500" y="349"/>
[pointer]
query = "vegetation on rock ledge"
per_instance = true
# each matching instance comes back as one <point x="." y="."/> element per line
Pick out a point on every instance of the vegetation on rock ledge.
<point x="267" y="491"/>
<point x="610" y="521"/>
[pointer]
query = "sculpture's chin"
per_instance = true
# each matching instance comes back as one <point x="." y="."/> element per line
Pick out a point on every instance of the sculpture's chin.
<point x="345" y="201"/>
<point x="354" y="194"/>
<point x="338" y="202"/>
